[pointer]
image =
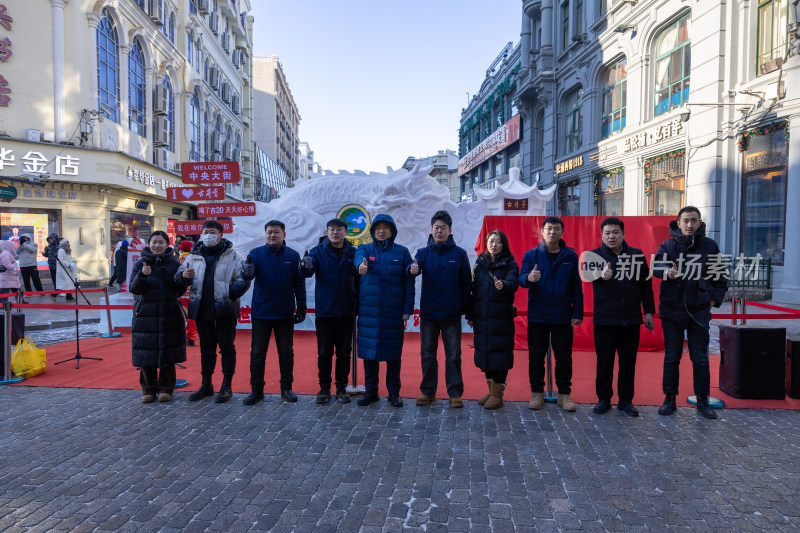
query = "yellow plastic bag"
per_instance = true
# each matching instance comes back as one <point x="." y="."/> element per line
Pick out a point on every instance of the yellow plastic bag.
<point x="28" y="360"/>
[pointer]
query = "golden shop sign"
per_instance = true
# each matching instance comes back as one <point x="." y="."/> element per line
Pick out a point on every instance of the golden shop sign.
<point x="569" y="164"/>
<point x="499" y="139"/>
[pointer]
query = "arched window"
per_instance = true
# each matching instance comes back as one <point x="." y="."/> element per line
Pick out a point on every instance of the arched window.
<point x="229" y="140"/>
<point x="190" y="46"/>
<point x="170" y="112"/>
<point x="197" y="62"/>
<point x="206" y="136"/>
<point x="238" y="147"/>
<point x="107" y="68"/>
<point x="573" y="120"/>
<point x="615" y="94"/>
<point x="194" y="149"/>
<point x="205" y="70"/>
<point x="172" y="28"/>
<point x="673" y="64"/>
<point x="137" y="103"/>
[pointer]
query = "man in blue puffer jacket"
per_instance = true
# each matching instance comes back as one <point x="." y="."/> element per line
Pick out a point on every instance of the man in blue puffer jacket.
<point x="278" y="288"/>
<point x="550" y="272"/>
<point x="385" y="301"/>
<point x="335" y="302"/>
<point x="446" y="281"/>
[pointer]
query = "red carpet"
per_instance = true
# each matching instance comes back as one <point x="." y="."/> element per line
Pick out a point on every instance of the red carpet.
<point x="115" y="372"/>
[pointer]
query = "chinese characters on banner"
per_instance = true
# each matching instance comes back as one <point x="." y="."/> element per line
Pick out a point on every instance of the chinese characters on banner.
<point x="231" y="209"/>
<point x="195" y="227"/>
<point x="66" y="165"/>
<point x="5" y="54"/>
<point x="515" y="205"/>
<point x="188" y="194"/>
<point x="205" y="173"/>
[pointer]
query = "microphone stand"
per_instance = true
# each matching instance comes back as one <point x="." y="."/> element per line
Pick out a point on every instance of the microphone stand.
<point x="77" y="357"/>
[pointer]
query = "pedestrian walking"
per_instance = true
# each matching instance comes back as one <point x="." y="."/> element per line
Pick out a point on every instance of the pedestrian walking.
<point x="28" y="252"/>
<point x="121" y="263"/>
<point x="66" y="272"/>
<point x="495" y="280"/>
<point x="158" y="326"/>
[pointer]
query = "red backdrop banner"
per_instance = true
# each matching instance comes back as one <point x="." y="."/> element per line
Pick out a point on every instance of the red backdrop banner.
<point x="581" y="234"/>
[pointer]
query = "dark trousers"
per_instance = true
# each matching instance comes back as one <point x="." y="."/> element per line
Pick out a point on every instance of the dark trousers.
<point x="284" y="341"/>
<point x="498" y="376"/>
<point x="624" y="342"/>
<point x="560" y="337"/>
<point x="371" y="377"/>
<point x="334" y="333"/>
<point x="215" y="333"/>
<point x="429" y="330"/>
<point x="154" y="380"/>
<point x="53" y="275"/>
<point x="698" y="352"/>
<point x="28" y="273"/>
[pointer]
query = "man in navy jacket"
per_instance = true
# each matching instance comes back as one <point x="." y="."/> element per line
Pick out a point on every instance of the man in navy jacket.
<point x="446" y="279"/>
<point x="555" y="304"/>
<point x="335" y="303"/>
<point x="279" y="287"/>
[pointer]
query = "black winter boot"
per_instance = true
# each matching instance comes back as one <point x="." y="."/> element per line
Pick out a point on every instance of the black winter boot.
<point x="205" y="390"/>
<point x="256" y="396"/>
<point x="669" y="406"/>
<point x="225" y="393"/>
<point x="704" y="409"/>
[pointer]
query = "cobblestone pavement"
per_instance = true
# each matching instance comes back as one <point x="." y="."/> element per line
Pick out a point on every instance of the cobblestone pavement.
<point x="81" y="460"/>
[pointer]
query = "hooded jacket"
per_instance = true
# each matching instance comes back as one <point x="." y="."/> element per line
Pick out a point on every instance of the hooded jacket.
<point x="690" y="295"/>
<point x="10" y="278"/>
<point x="446" y="280"/>
<point x="228" y="284"/>
<point x="27" y="252"/>
<point x="620" y="302"/>
<point x="336" y="290"/>
<point x="51" y="252"/>
<point x="65" y="267"/>
<point x="121" y="262"/>
<point x="158" y="328"/>
<point x="386" y="293"/>
<point x="557" y="297"/>
<point x="278" y="284"/>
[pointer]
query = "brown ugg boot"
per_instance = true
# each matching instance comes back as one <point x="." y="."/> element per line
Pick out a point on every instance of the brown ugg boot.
<point x="495" y="401"/>
<point x="483" y="399"/>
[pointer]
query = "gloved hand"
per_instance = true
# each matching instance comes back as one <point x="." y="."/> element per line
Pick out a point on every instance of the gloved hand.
<point x="249" y="269"/>
<point x="299" y="315"/>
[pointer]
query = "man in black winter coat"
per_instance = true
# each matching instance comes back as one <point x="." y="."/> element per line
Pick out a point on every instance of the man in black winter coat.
<point x="694" y="280"/>
<point x="622" y="290"/>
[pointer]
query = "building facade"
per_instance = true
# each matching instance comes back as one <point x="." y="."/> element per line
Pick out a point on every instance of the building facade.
<point x="307" y="164"/>
<point x="275" y="117"/>
<point x="270" y="177"/>
<point x="100" y="102"/>
<point x="445" y="170"/>
<point x="641" y="108"/>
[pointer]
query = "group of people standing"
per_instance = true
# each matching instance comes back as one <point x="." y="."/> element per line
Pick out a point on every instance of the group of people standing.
<point x="372" y="286"/>
<point x="21" y="258"/>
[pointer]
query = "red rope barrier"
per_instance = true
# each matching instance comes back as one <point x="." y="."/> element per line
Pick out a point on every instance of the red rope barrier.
<point x="773" y="307"/>
<point x="69" y="307"/>
<point x="762" y="316"/>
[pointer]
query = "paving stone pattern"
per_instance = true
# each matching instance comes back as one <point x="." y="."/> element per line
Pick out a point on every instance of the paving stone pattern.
<point x="86" y="460"/>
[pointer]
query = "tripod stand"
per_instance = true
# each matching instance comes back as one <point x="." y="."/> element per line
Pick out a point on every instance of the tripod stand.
<point x="77" y="357"/>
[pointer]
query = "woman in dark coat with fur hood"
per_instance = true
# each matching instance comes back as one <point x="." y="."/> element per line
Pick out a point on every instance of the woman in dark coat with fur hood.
<point x="158" y="329"/>
<point x="495" y="280"/>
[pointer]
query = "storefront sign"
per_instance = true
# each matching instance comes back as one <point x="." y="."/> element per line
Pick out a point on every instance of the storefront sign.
<point x="147" y="179"/>
<point x="569" y="164"/>
<point x="8" y="193"/>
<point x="655" y="135"/>
<point x="66" y="165"/>
<point x="515" y="205"/>
<point x="5" y="54"/>
<point x="56" y="195"/>
<point x="228" y="209"/>
<point x="204" y="173"/>
<point x="503" y="136"/>
<point x="190" y="194"/>
<point x="195" y="227"/>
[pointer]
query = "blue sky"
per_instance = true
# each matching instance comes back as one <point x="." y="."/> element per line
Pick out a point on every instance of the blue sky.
<point x="377" y="81"/>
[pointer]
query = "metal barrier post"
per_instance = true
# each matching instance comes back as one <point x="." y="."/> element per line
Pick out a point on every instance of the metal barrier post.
<point x="734" y="305"/>
<point x="111" y="332"/>
<point x="743" y="303"/>
<point x="549" y="397"/>
<point x="354" y="388"/>
<point x="7" y="377"/>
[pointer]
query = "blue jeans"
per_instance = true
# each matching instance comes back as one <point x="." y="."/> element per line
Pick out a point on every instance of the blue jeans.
<point x="429" y="330"/>
<point x="698" y="352"/>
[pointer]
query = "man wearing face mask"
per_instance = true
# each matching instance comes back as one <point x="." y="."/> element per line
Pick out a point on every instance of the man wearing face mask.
<point x="214" y="272"/>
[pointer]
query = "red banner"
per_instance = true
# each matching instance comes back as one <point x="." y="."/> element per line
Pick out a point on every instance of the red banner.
<point x="581" y="234"/>
<point x="204" y="173"/>
<point x="227" y="209"/>
<point x="191" y="194"/>
<point x="195" y="227"/>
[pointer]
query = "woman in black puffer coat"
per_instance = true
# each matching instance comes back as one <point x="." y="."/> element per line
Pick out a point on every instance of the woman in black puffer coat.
<point x="158" y="329"/>
<point x="495" y="280"/>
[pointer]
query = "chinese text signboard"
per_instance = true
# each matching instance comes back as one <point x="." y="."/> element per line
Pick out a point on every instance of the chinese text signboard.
<point x="195" y="227"/>
<point x="503" y="136"/>
<point x="230" y="209"/>
<point x="190" y="194"/>
<point x="205" y="173"/>
<point x="515" y="205"/>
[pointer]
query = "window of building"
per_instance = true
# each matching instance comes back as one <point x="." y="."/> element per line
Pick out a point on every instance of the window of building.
<point x="569" y="198"/>
<point x="140" y="3"/>
<point x="126" y="226"/>
<point x="137" y="103"/>
<point x="194" y="148"/>
<point x="170" y="112"/>
<point x="192" y="7"/>
<point x="673" y="64"/>
<point x="578" y="17"/>
<point x="615" y="94"/>
<point x="513" y="156"/>
<point x="665" y="183"/>
<point x="39" y="223"/>
<point x="573" y="120"/>
<point x="190" y="47"/>
<point x="609" y="189"/>
<point x="206" y="136"/>
<point x="602" y="7"/>
<point x="538" y="139"/>
<point x="764" y="196"/>
<point x="773" y="17"/>
<point x="107" y="68"/>
<point x="197" y="56"/>
<point x="172" y="23"/>
<point x="565" y="25"/>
